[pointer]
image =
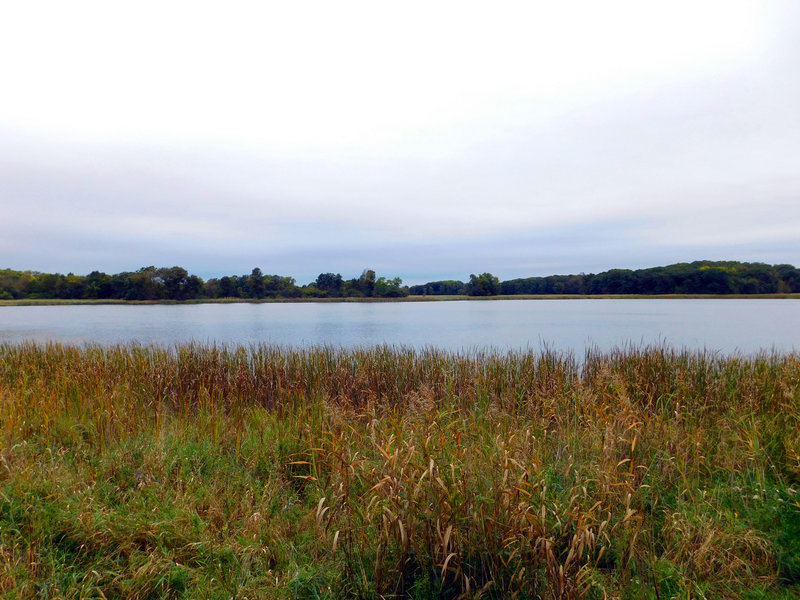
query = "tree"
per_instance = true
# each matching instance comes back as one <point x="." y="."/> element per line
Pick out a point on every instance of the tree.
<point x="141" y="285"/>
<point x="390" y="288"/>
<point x="72" y="286"/>
<point x="174" y="280"/>
<point x="484" y="284"/>
<point x="330" y="283"/>
<point x="438" y="288"/>
<point x="256" y="283"/>
<point x="789" y="278"/>
<point x="352" y="288"/>
<point x="283" y="287"/>
<point x="366" y="283"/>
<point x="227" y="289"/>
<point x="98" y="285"/>
<point x="193" y="288"/>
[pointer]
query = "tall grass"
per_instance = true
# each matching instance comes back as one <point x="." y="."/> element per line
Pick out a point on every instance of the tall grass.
<point x="201" y="471"/>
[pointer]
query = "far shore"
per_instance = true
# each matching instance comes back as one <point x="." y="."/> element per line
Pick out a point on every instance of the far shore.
<point x="447" y="298"/>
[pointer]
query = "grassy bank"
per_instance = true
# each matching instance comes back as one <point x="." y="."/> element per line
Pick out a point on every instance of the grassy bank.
<point x="450" y="298"/>
<point x="261" y="473"/>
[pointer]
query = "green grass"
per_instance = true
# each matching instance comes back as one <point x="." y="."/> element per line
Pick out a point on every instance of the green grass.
<point x="211" y="472"/>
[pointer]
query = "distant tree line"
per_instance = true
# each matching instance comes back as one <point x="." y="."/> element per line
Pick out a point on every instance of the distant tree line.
<point x="699" y="277"/>
<point x="175" y="283"/>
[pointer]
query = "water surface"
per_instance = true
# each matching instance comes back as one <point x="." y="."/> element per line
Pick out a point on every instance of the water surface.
<point x="728" y="326"/>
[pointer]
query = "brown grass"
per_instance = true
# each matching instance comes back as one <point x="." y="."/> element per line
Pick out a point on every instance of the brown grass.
<point x="261" y="472"/>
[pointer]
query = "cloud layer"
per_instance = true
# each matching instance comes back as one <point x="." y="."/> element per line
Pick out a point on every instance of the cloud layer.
<point x="422" y="143"/>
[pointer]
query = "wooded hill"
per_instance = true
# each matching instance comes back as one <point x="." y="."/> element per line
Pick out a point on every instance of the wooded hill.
<point x="699" y="277"/>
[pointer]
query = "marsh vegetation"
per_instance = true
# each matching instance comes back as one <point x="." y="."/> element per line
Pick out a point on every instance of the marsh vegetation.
<point x="198" y="471"/>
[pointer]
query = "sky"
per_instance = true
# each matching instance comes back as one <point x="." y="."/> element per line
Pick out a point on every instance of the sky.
<point x="426" y="140"/>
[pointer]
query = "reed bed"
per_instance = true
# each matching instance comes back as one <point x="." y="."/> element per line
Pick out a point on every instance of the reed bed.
<point x="261" y="472"/>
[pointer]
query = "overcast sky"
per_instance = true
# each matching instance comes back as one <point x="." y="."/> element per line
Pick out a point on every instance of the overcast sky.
<point x="426" y="140"/>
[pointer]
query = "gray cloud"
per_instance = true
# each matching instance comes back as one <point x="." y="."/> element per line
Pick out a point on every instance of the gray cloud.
<point x="650" y="164"/>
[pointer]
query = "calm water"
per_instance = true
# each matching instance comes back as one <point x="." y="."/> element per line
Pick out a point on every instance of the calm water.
<point x="745" y="326"/>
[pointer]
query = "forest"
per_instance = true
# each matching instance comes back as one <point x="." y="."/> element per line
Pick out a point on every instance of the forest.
<point x="699" y="277"/>
<point x="177" y="284"/>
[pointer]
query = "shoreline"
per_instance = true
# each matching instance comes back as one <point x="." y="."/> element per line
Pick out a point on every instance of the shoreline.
<point x="444" y="298"/>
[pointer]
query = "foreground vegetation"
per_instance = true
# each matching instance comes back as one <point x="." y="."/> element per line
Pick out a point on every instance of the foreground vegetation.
<point x="176" y="284"/>
<point x="203" y="472"/>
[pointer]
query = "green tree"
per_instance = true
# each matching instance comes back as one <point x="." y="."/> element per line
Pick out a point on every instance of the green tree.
<point x="141" y="285"/>
<point x="173" y="280"/>
<point x="227" y="289"/>
<point x="276" y="286"/>
<point x="789" y="278"/>
<point x="484" y="284"/>
<point x="256" y="283"/>
<point x="438" y="288"/>
<point x="390" y="288"/>
<point x="366" y="283"/>
<point x="98" y="285"/>
<point x="193" y="288"/>
<point x="329" y="283"/>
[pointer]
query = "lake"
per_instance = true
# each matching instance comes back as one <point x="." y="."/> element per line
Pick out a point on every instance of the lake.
<point x="718" y="325"/>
